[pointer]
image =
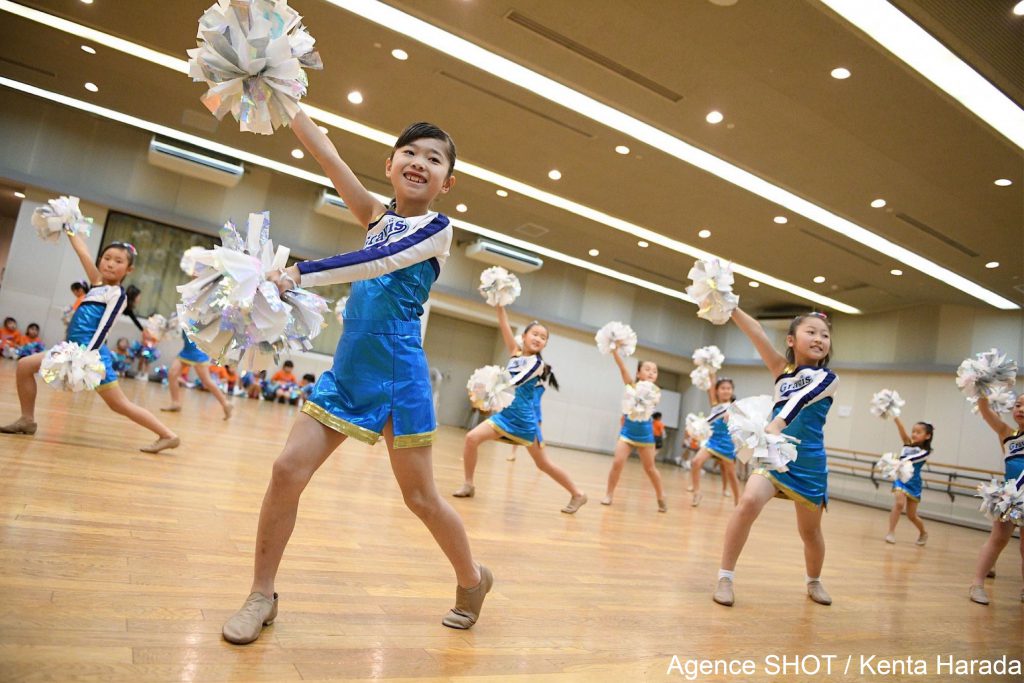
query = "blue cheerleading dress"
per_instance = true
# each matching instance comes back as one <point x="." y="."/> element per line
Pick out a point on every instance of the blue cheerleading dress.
<point x="913" y="486"/>
<point x="91" y="324"/>
<point x="1014" y="462"/>
<point x="720" y="444"/>
<point x="191" y="354"/>
<point x="380" y="371"/>
<point x="638" y="433"/>
<point x="538" y="395"/>
<point x="518" y="423"/>
<point x="803" y="396"/>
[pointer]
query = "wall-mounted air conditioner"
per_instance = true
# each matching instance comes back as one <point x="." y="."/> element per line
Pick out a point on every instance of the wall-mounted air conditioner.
<point x="180" y="158"/>
<point x="502" y="255"/>
<point x="329" y="204"/>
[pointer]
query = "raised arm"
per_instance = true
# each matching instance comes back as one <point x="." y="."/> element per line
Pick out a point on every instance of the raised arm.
<point x="773" y="360"/>
<point x="91" y="271"/>
<point x="712" y="398"/>
<point x="360" y="202"/>
<point x="998" y="426"/>
<point x="506" y="332"/>
<point x="903" y="431"/>
<point x="626" y="377"/>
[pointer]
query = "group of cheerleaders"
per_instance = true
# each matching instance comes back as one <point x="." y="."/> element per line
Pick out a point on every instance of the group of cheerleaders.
<point x="379" y="387"/>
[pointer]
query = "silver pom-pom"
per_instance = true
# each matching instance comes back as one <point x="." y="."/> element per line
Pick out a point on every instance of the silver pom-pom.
<point x="887" y="403"/>
<point x="712" y="290"/>
<point x="640" y="400"/>
<point x="251" y="54"/>
<point x="618" y="336"/>
<point x="1001" y="400"/>
<point x="499" y="287"/>
<point x="490" y="389"/>
<point x="709" y="356"/>
<point x="748" y="418"/>
<point x="196" y="261"/>
<point x="235" y="313"/>
<point x="71" y="367"/>
<point x="697" y="427"/>
<point x="701" y="377"/>
<point x="60" y="215"/>
<point x="892" y="468"/>
<point x="986" y="371"/>
<point x="1002" y="501"/>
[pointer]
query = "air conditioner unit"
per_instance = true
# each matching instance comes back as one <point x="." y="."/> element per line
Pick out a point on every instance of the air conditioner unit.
<point x="331" y="205"/>
<point x="498" y="254"/>
<point x="180" y="158"/>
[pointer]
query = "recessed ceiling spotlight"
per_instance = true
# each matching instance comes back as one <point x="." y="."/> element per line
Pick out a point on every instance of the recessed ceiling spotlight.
<point x="89" y="49"/>
<point x="840" y="73"/>
<point x="714" y="117"/>
<point x="622" y="149"/>
<point x="754" y="283"/>
<point x="1018" y="9"/>
<point x="819" y="279"/>
<point x="781" y="220"/>
<point x="86" y="2"/>
<point x="461" y="208"/>
<point x="19" y="195"/>
<point x="992" y="264"/>
<point x="355" y="97"/>
<point x="704" y="234"/>
<point x="323" y="129"/>
<point x="298" y="153"/>
<point x="92" y="87"/>
<point x="877" y="203"/>
<point x="400" y="55"/>
<point x="555" y="174"/>
<point x="896" y="271"/>
<point x="1004" y="182"/>
<point x="643" y="244"/>
<point x="594" y="252"/>
<point x="501" y="193"/>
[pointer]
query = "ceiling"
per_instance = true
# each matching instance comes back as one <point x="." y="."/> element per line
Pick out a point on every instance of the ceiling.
<point x="884" y="132"/>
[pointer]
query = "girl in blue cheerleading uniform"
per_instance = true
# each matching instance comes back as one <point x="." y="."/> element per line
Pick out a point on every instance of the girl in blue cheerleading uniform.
<point x="1012" y="441"/>
<point x="719" y="446"/>
<point x="191" y="356"/>
<point x="379" y="384"/>
<point x="804" y="387"/>
<point x="635" y="434"/>
<point x="917" y="446"/>
<point x="89" y="326"/>
<point x="519" y="422"/>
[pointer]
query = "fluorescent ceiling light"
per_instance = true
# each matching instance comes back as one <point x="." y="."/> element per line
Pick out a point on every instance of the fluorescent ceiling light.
<point x="898" y="34"/>
<point x="516" y="74"/>
<point x="466" y="51"/>
<point x="364" y="131"/>
<point x="296" y="172"/>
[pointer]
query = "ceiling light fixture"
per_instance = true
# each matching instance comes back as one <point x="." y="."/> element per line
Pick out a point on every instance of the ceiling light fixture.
<point x="643" y="244"/>
<point x="92" y="87"/>
<point x="355" y="97"/>
<point x="400" y="55"/>
<point x="594" y="252"/>
<point x="461" y="208"/>
<point x="819" y="279"/>
<point x="877" y="203"/>
<point x="840" y="73"/>
<point x="714" y="117"/>
<point x="622" y="149"/>
<point x="555" y="174"/>
<point x="781" y="220"/>
<point x="992" y="264"/>
<point x="321" y="180"/>
<point x="19" y="195"/>
<point x="1004" y="182"/>
<point x="298" y="153"/>
<point x="86" y="2"/>
<point x="88" y="49"/>
<point x="754" y="283"/>
<point x="501" y="193"/>
<point x="704" y="234"/>
<point x="1018" y="9"/>
<point x="900" y="35"/>
<point x="896" y="271"/>
<point x="562" y="95"/>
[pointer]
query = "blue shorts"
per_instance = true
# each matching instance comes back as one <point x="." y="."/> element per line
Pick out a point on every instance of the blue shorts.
<point x="639" y="434"/>
<point x="721" y="446"/>
<point x="110" y="377"/>
<point x="805" y="482"/>
<point x="913" y="486"/>
<point x="190" y="353"/>
<point x="379" y="372"/>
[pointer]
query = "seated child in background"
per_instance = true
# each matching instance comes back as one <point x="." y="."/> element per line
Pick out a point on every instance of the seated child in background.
<point x="306" y="385"/>
<point x="30" y="341"/>
<point x="253" y="383"/>
<point x="122" y="355"/>
<point x="231" y="377"/>
<point x="10" y="337"/>
<point x="281" y="383"/>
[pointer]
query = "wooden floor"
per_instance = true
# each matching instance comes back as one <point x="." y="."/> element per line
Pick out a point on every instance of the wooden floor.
<point x="121" y="566"/>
